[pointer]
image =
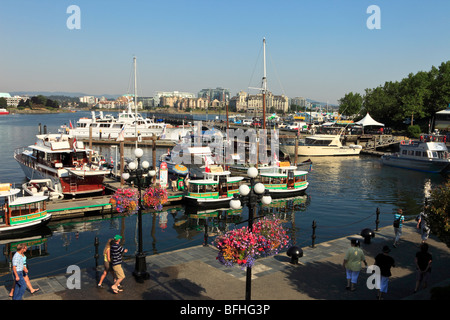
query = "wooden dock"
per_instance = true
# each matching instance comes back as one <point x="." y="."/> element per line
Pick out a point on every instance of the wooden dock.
<point x="74" y="208"/>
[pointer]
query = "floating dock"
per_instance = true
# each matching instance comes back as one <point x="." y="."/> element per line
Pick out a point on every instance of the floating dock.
<point x="74" y="208"/>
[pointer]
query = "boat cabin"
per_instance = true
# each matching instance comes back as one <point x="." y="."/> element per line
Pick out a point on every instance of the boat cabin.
<point x="286" y="178"/>
<point x="18" y="210"/>
<point x="423" y="150"/>
<point x="215" y="185"/>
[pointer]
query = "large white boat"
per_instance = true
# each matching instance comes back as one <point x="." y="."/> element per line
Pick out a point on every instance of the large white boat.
<point x="321" y="145"/>
<point x="128" y="124"/>
<point x="426" y="156"/>
<point x="20" y="214"/>
<point x="65" y="161"/>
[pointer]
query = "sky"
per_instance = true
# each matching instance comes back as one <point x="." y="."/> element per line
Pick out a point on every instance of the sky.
<point x="319" y="49"/>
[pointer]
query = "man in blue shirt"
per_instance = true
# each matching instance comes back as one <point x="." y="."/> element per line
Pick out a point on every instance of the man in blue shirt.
<point x="398" y="224"/>
<point x="18" y="268"/>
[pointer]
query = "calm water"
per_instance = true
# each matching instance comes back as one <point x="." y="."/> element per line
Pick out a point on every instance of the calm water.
<point x="342" y="198"/>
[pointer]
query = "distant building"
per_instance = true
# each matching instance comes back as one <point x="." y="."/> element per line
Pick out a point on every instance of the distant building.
<point x="90" y="100"/>
<point x="12" y="101"/>
<point x="244" y="102"/>
<point x="299" y="101"/>
<point x="171" y="94"/>
<point x="219" y="94"/>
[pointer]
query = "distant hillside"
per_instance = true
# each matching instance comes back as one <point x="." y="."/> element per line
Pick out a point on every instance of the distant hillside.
<point x="62" y="93"/>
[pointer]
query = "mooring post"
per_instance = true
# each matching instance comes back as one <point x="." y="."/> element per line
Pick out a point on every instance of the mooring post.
<point x="314" y="226"/>
<point x="378" y="219"/>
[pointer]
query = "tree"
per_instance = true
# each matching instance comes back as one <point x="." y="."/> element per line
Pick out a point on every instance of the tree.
<point x="438" y="212"/>
<point x="3" y="103"/>
<point x="350" y="104"/>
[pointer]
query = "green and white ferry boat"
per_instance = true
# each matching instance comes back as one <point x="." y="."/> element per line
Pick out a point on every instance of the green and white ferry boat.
<point x="285" y="182"/>
<point x="214" y="191"/>
<point x="19" y="215"/>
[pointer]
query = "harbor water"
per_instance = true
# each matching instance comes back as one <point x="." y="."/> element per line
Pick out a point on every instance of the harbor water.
<point x="342" y="198"/>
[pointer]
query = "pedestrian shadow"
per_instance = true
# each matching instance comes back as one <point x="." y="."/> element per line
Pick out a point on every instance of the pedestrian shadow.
<point x="167" y="286"/>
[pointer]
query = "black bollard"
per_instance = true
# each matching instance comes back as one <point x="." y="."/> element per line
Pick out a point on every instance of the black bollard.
<point x="314" y="226"/>
<point x="367" y="234"/>
<point x="378" y="219"/>
<point x="294" y="253"/>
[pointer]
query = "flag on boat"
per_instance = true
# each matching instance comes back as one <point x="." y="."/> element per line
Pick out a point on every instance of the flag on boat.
<point x="206" y="165"/>
<point x="74" y="144"/>
<point x="121" y="136"/>
<point x="70" y="124"/>
<point x="275" y="159"/>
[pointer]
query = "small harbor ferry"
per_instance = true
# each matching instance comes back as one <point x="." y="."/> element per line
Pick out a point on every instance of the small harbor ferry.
<point x="425" y="155"/>
<point x="214" y="191"/>
<point x="65" y="161"/>
<point x="285" y="182"/>
<point x="20" y="214"/>
<point x="3" y="111"/>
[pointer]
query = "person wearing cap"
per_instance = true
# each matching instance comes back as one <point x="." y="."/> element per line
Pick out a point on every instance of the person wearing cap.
<point x="352" y="264"/>
<point x="384" y="261"/>
<point x="116" y="252"/>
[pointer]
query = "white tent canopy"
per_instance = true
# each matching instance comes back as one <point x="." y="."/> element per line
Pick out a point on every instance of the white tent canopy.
<point x="368" y="121"/>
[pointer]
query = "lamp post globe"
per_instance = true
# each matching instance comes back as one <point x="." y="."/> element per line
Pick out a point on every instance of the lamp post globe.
<point x="259" y="188"/>
<point x="138" y="152"/>
<point x="244" y="190"/>
<point x="132" y="166"/>
<point x="252" y="172"/>
<point x="145" y="164"/>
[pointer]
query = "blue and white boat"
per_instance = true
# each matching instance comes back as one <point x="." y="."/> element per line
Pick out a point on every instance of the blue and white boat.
<point x="425" y="156"/>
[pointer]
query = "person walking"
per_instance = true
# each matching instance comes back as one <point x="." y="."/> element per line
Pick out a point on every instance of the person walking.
<point x="352" y="264"/>
<point x="116" y="252"/>
<point x="18" y="271"/>
<point x="423" y="262"/>
<point x="399" y="218"/>
<point x="25" y="275"/>
<point x="423" y="227"/>
<point x="384" y="261"/>
<point x="106" y="262"/>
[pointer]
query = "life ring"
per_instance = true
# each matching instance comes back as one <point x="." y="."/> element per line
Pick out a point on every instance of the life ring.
<point x="402" y="142"/>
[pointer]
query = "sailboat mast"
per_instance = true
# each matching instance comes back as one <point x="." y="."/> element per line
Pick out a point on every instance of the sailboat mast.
<point x="264" y="85"/>
<point x="135" y="102"/>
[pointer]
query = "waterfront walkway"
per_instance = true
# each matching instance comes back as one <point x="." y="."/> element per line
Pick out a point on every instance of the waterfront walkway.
<point x="195" y="274"/>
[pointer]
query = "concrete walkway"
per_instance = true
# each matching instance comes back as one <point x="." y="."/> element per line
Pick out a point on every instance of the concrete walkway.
<point x="195" y="274"/>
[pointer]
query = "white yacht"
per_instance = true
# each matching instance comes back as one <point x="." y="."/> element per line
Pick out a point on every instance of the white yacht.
<point x="321" y="145"/>
<point x="426" y="156"/>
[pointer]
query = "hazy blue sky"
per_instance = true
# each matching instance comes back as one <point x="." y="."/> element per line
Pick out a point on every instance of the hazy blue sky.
<point x="318" y="49"/>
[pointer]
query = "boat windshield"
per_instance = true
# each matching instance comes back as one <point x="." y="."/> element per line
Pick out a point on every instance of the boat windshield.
<point x="317" y="142"/>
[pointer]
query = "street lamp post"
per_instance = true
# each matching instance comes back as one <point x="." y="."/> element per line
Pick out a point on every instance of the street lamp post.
<point x="250" y="196"/>
<point x="138" y="171"/>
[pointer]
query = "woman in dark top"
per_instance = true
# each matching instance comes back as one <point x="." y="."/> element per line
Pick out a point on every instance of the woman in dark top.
<point x="423" y="266"/>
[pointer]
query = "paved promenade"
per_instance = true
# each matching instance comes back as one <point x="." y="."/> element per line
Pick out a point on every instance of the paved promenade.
<point x="195" y="274"/>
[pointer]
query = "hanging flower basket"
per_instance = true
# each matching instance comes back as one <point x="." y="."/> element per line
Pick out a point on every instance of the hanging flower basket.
<point x="125" y="200"/>
<point x="242" y="247"/>
<point x="155" y="197"/>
